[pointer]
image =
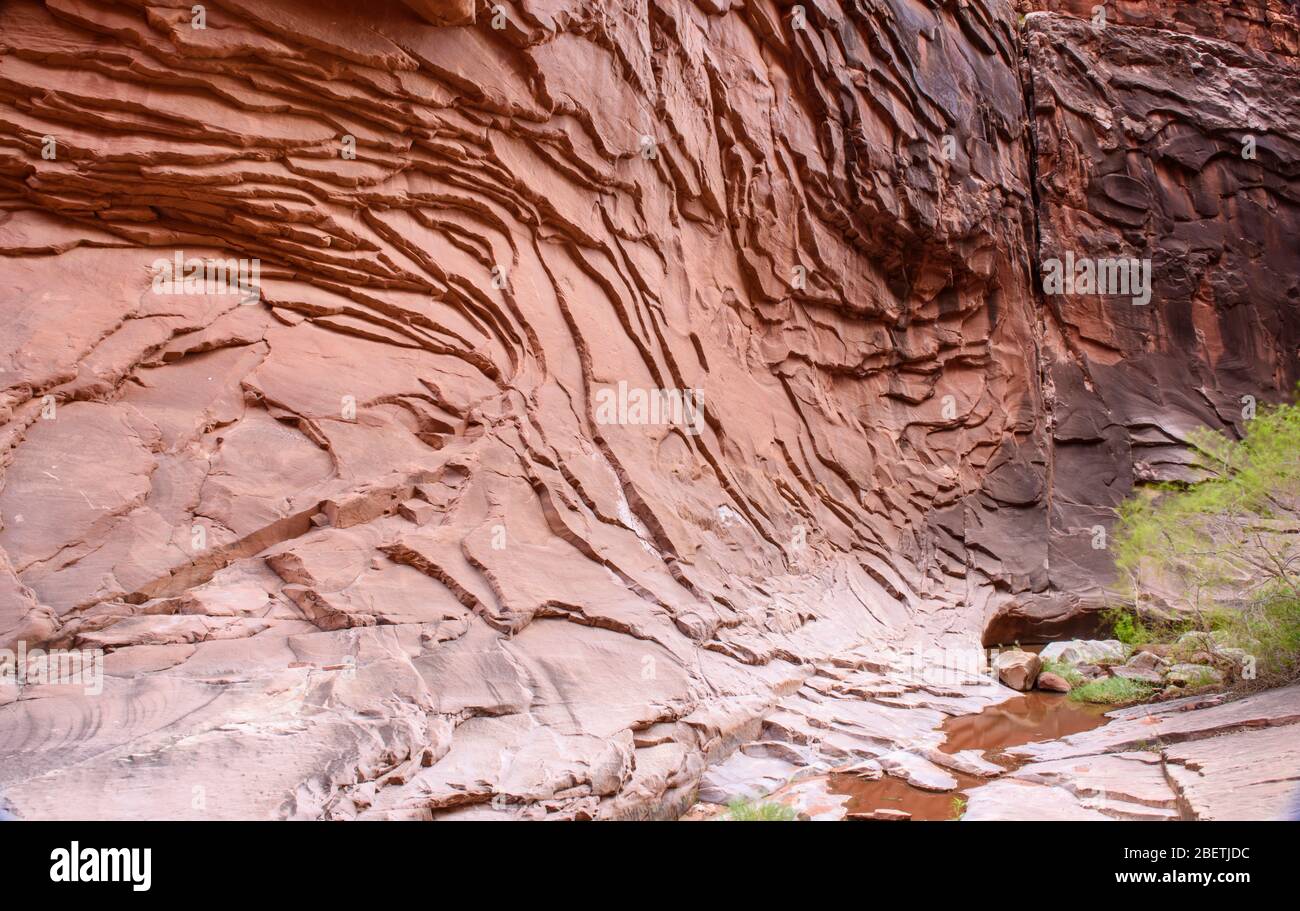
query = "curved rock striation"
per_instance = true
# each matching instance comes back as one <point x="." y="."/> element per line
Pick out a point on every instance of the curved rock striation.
<point x="433" y="410"/>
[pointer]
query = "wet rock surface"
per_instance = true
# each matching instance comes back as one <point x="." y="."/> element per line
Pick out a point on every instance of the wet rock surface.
<point x="1042" y="757"/>
<point x="617" y="389"/>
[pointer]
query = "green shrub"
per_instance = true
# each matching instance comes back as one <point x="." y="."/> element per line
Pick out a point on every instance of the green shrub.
<point x="1223" y="552"/>
<point x="1129" y="629"/>
<point x="1269" y="631"/>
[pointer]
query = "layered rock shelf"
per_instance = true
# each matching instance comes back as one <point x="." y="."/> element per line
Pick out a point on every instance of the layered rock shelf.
<point x="447" y="410"/>
<point x="1193" y="758"/>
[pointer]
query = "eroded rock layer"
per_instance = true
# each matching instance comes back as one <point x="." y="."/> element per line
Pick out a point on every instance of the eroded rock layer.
<point x="611" y="374"/>
<point x="1262" y="25"/>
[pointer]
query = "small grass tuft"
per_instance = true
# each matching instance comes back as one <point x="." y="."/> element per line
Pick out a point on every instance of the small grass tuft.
<point x="1112" y="691"/>
<point x="741" y="810"/>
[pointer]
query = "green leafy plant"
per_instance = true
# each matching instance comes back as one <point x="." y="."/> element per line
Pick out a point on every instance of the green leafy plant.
<point x="1130" y="630"/>
<point x="958" y="808"/>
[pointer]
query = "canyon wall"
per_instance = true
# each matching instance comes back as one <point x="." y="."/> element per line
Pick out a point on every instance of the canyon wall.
<point x="1183" y="151"/>
<point x="599" y="373"/>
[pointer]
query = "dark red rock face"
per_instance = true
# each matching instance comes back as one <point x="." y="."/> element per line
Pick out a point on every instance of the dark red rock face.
<point x="437" y="410"/>
<point x="1181" y="151"/>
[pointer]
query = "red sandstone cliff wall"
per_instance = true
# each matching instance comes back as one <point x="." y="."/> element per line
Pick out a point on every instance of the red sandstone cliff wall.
<point x="374" y="543"/>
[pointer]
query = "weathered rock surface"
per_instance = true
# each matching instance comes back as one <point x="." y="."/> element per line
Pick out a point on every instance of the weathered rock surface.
<point x="1148" y="660"/>
<point x="1265" y="25"/>
<point x="1193" y="758"/>
<point x="1118" y="786"/>
<point x="859" y="715"/>
<point x="886" y="815"/>
<point x="393" y="532"/>
<point x="1137" y="674"/>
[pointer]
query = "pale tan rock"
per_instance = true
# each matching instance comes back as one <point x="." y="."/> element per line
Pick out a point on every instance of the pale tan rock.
<point x="1083" y="651"/>
<point x="1017" y="669"/>
<point x="917" y="771"/>
<point x="1194" y="675"/>
<point x="967" y="762"/>
<point x="1147" y="661"/>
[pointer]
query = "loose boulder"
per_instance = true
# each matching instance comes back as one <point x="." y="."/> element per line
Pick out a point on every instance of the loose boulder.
<point x="1139" y="674"/>
<point x="1197" y="641"/>
<point x="1017" y="669"/>
<point x="1085" y="651"/>
<point x="1053" y="683"/>
<point x="1147" y="661"/>
<point x="1194" y="675"/>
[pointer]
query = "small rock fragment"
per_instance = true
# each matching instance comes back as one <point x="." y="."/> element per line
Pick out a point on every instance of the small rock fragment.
<point x="417" y="511"/>
<point x="895" y="815"/>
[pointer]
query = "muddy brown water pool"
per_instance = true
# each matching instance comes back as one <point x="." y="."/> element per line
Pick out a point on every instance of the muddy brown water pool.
<point x="1023" y="719"/>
